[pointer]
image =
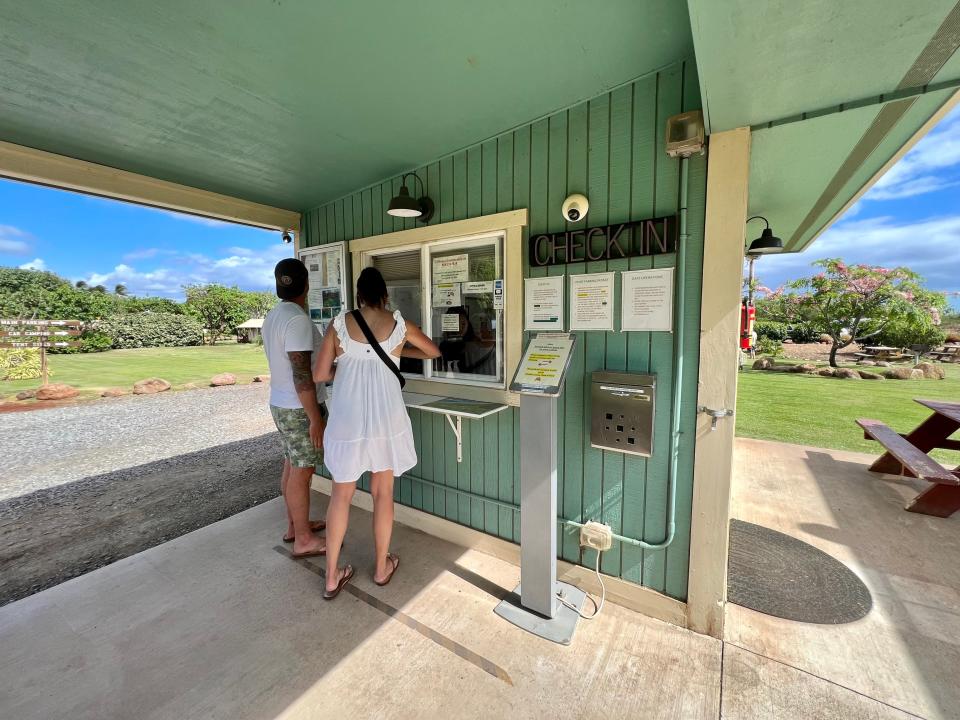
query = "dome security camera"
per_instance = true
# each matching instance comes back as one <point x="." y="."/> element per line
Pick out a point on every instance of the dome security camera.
<point x="575" y="207"/>
<point x="287" y="237"/>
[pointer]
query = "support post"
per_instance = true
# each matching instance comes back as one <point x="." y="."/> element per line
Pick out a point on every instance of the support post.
<point x="44" y="374"/>
<point x="727" y="184"/>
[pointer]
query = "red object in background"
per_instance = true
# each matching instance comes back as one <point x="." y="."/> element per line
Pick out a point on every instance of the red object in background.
<point x="748" y="314"/>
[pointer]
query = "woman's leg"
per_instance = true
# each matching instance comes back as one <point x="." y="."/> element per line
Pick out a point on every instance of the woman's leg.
<point x="381" y="488"/>
<point x="338" y="515"/>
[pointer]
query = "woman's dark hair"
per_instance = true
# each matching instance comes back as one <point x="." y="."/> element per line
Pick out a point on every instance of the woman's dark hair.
<point x="371" y="289"/>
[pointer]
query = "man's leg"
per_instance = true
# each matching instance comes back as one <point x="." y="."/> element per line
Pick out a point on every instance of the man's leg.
<point x="297" y="498"/>
<point x="381" y="488"/>
<point x="338" y="515"/>
<point x="284" y="477"/>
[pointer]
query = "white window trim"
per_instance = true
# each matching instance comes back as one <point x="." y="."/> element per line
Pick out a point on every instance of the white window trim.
<point x="510" y="225"/>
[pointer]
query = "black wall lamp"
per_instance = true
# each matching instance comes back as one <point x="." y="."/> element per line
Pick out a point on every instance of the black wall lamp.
<point x="767" y="242"/>
<point x="403" y="205"/>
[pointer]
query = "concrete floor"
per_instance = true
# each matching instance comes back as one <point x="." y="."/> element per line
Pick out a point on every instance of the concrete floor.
<point x="220" y="624"/>
<point x="903" y="658"/>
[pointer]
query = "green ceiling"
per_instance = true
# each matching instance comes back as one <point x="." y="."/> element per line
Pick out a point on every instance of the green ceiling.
<point x="763" y="61"/>
<point x="291" y="102"/>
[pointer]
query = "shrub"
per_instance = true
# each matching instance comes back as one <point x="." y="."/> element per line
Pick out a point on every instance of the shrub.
<point x="149" y="329"/>
<point x="771" y="330"/>
<point x="903" y="333"/>
<point x="803" y="333"/>
<point x="20" y="364"/>
<point x="769" y="346"/>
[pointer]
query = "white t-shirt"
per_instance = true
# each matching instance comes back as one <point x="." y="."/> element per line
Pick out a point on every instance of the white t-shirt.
<point x="288" y="329"/>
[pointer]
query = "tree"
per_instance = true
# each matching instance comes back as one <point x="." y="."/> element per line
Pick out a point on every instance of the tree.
<point x="81" y="284"/>
<point x="219" y="308"/>
<point x="120" y="289"/>
<point x="859" y="302"/>
<point x="258" y="304"/>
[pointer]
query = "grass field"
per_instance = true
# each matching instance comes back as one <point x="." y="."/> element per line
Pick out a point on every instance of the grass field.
<point x="817" y="411"/>
<point x="93" y="372"/>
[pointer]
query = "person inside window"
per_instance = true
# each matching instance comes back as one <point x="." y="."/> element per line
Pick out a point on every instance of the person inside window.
<point x="463" y="351"/>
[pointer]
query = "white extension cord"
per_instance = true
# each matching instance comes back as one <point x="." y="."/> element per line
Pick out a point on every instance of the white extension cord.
<point x="597" y="608"/>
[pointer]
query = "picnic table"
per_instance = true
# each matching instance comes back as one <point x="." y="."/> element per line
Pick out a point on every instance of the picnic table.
<point x="948" y="353"/>
<point x="907" y="455"/>
<point x="883" y="352"/>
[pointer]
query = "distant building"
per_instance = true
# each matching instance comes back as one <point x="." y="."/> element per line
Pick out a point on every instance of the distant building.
<point x="250" y="330"/>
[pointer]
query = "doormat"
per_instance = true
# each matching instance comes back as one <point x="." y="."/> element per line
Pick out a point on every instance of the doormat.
<point x="779" y="575"/>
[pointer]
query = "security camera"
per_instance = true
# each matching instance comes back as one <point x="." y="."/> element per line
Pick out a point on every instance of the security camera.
<point x="575" y="207"/>
<point x="287" y="237"/>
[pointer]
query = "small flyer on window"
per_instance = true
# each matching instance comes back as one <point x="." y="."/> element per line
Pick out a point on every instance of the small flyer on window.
<point x="446" y="295"/>
<point x="481" y="287"/>
<point x="451" y="269"/>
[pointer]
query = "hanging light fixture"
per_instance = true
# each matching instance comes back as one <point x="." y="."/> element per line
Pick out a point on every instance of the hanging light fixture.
<point x="767" y="242"/>
<point x="403" y="205"/>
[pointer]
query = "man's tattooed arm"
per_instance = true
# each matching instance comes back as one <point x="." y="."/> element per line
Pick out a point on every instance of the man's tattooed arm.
<point x="302" y="373"/>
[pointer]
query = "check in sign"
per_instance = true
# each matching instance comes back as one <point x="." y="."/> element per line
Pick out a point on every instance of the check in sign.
<point x="544" y="364"/>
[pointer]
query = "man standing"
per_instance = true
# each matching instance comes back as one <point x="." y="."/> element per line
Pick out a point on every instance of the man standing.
<point x="288" y="339"/>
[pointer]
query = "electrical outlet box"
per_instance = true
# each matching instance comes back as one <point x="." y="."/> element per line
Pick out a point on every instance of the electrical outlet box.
<point x="597" y="536"/>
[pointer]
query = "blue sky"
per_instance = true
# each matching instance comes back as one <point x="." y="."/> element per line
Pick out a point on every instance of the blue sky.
<point x="910" y="217"/>
<point x="152" y="252"/>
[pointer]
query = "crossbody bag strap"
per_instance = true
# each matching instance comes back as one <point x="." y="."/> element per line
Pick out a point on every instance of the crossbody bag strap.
<point x="368" y="334"/>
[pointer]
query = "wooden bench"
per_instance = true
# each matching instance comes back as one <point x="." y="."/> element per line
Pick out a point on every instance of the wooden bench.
<point x="943" y="498"/>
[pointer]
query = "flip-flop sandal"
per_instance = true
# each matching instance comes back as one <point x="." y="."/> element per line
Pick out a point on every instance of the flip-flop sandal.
<point x="347" y="575"/>
<point x="395" y="561"/>
<point x="315" y="526"/>
<point x="311" y="553"/>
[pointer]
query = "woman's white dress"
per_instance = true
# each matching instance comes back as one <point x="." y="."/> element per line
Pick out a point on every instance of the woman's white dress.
<point x="369" y="428"/>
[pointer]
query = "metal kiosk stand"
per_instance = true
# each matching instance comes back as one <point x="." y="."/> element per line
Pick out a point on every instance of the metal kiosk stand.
<point x="534" y="605"/>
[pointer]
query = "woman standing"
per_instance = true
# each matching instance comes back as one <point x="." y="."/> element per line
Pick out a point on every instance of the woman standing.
<point x="368" y="429"/>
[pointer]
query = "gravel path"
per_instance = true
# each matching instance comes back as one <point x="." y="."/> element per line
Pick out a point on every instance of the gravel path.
<point x="83" y="486"/>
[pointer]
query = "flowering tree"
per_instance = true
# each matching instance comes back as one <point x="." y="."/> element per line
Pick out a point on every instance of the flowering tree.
<point x="858" y="302"/>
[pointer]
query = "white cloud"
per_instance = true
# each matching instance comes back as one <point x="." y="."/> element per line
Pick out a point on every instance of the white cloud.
<point x="249" y="269"/>
<point x="35" y="264"/>
<point x="14" y="240"/>
<point x="199" y="219"/>
<point x="930" y="166"/>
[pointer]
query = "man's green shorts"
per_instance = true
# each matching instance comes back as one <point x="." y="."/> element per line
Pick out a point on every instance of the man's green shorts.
<point x="294" y="427"/>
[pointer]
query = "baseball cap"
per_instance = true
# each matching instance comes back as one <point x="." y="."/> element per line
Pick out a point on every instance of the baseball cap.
<point x="291" y="275"/>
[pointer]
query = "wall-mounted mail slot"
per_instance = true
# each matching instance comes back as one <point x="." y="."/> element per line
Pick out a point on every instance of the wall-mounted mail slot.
<point x="622" y="412"/>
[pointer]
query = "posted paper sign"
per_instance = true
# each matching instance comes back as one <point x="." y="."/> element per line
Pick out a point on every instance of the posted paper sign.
<point x="543" y="303"/>
<point x="591" y="301"/>
<point x="544" y="364"/>
<point x="482" y="287"/>
<point x="451" y="269"/>
<point x="446" y="295"/>
<point x="647" y="300"/>
<point x="498" y="294"/>
<point x="450" y="322"/>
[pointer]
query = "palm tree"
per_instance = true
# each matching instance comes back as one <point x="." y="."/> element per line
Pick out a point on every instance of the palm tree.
<point x="120" y="289"/>
<point x="99" y="289"/>
<point x="80" y="285"/>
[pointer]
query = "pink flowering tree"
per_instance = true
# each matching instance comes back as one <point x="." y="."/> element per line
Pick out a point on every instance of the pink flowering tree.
<point x="860" y="303"/>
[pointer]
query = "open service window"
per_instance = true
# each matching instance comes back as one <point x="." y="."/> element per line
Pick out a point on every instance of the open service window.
<point x="447" y="287"/>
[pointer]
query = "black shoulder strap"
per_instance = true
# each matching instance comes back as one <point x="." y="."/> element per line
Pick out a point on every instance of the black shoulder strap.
<point x="368" y="334"/>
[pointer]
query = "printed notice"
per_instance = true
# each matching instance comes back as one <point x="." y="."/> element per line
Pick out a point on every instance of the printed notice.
<point x="498" y="294"/>
<point x="544" y="364"/>
<point x="446" y="295"/>
<point x="451" y="269"/>
<point x="450" y="322"/>
<point x="543" y="303"/>
<point x="482" y="287"/>
<point x="591" y="301"/>
<point x="647" y="300"/>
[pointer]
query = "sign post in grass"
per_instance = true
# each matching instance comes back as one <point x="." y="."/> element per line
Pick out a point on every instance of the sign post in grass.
<point x="41" y="334"/>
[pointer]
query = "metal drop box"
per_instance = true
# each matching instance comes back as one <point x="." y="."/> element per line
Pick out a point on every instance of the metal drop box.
<point x="622" y="412"/>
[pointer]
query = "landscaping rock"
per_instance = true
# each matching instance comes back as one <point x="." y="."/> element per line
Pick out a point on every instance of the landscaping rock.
<point x="223" y="379"/>
<point x="867" y="375"/>
<point x="26" y="395"/>
<point x="150" y="386"/>
<point x="826" y="372"/>
<point x="761" y="364"/>
<point x="847" y="374"/>
<point x="804" y="368"/>
<point x="56" y="391"/>
<point x="866" y="363"/>
<point x="931" y="371"/>
<point x="114" y="392"/>
<point x="788" y="341"/>
<point x="266" y="378"/>
<point x="903" y="373"/>
<point x="883" y="363"/>
<point x="825" y="339"/>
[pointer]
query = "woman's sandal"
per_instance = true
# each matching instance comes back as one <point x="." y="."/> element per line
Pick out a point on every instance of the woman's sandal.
<point x="315" y="526"/>
<point x="393" y="560"/>
<point x="347" y="575"/>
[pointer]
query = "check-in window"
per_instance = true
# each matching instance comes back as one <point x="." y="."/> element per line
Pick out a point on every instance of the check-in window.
<point x="447" y="287"/>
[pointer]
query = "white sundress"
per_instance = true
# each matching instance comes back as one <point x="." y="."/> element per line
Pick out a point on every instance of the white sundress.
<point x="369" y="428"/>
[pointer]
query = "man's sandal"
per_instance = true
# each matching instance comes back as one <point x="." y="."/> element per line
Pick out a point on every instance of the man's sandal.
<point x="394" y="560"/>
<point x="315" y="526"/>
<point x="347" y="575"/>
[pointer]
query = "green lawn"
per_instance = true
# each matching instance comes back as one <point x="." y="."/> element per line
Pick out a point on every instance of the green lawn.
<point x="817" y="411"/>
<point x="93" y="372"/>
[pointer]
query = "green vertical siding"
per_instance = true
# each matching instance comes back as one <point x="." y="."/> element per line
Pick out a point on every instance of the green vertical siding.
<point x="612" y="149"/>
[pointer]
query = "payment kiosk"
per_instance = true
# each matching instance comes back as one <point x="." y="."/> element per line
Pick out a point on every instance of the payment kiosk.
<point x="540" y="604"/>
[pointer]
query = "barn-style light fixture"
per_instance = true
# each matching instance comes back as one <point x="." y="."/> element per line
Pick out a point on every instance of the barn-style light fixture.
<point x="403" y="205"/>
<point x="767" y="242"/>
